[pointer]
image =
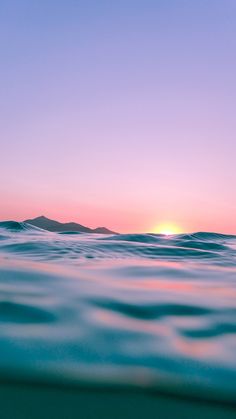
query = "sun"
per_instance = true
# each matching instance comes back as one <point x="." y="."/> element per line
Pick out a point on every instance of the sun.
<point x="168" y="229"/>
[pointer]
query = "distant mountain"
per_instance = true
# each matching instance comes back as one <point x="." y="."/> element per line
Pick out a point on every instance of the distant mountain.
<point x="52" y="225"/>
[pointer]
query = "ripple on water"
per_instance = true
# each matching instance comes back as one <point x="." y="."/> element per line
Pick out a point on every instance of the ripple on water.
<point x="102" y="303"/>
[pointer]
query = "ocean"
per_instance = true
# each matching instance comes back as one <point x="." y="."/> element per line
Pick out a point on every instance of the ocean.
<point x="116" y="326"/>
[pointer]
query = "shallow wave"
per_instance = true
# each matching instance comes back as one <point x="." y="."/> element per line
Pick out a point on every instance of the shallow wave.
<point x="72" y="246"/>
<point x="198" y="241"/>
<point x="152" y="311"/>
<point x="15" y="226"/>
<point x="70" y="232"/>
<point x="209" y="236"/>
<point x="140" y="238"/>
<point x="23" y="313"/>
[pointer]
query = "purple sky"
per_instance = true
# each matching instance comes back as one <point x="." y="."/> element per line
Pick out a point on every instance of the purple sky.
<point x="119" y="113"/>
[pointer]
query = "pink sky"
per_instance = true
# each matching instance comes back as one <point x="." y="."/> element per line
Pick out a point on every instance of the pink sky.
<point x="119" y="116"/>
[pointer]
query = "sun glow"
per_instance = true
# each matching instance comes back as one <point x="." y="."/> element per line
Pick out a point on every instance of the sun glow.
<point x="168" y="229"/>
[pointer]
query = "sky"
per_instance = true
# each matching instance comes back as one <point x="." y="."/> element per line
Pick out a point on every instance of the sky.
<point x="119" y="113"/>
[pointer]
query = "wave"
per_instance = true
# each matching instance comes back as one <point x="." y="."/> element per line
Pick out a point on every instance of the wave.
<point x="15" y="226"/>
<point x="152" y="311"/>
<point x="155" y="238"/>
<point x="71" y="232"/>
<point x="139" y="238"/>
<point x="23" y="313"/>
<point x="29" y="241"/>
<point x="207" y="236"/>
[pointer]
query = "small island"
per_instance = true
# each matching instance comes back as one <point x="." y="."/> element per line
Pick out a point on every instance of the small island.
<point x="53" y="225"/>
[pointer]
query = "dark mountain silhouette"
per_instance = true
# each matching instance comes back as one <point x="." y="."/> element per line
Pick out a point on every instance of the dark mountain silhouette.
<point x="52" y="225"/>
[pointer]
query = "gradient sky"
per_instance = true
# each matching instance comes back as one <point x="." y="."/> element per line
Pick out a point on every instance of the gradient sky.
<point x="119" y="113"/>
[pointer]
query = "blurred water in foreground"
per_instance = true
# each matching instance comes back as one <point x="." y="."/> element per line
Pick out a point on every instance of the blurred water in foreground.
<point x="111" y="319"/>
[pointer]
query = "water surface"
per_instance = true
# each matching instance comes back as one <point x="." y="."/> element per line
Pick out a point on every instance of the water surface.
<point x="140" y="311"/>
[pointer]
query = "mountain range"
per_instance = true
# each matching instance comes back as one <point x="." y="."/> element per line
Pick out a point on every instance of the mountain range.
<point x="52" y="225"/>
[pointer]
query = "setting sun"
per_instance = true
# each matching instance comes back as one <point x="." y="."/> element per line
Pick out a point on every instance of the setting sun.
<point x="168" y="229"/>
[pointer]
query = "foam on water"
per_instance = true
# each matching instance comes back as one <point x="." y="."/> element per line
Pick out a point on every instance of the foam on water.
<point x="139" y="310"/>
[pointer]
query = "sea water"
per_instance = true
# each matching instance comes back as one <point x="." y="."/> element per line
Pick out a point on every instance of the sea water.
<point x="116" y="318"/>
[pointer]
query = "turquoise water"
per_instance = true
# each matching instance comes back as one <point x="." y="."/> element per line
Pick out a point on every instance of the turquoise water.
<point x="142" y="311"/>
